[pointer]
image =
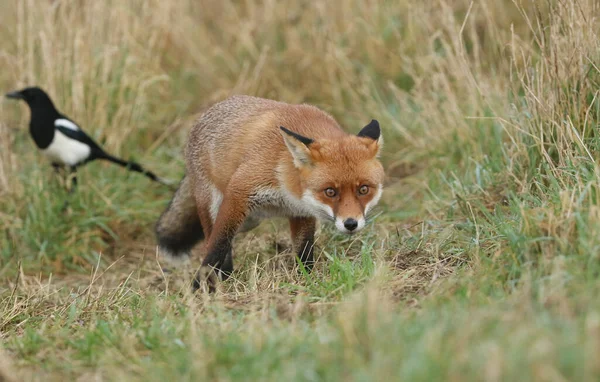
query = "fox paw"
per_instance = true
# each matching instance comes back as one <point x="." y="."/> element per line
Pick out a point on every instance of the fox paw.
<point x="206" y="279"/>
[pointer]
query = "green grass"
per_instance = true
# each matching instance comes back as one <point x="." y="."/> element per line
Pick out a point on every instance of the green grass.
<point x="482" y="264"/>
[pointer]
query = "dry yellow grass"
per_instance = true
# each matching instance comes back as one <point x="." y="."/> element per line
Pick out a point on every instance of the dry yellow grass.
<point x="482" y="264"/>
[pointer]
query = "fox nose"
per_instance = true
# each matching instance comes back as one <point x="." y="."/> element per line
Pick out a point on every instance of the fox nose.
<point x="350" y="224"/>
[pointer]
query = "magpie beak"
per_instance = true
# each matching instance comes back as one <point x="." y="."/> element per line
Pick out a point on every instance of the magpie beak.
<point x="14" y="95"/>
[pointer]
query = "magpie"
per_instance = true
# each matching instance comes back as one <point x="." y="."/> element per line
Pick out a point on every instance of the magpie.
<point x="62" y="140"/>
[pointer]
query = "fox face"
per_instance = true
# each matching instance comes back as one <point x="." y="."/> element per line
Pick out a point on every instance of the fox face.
<point x="341" y="179"/>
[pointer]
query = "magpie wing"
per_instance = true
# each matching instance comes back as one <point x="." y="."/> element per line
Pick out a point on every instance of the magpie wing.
<point x="71" y="130"/>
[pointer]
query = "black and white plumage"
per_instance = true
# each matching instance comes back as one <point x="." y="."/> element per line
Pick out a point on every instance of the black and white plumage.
<point x="61" y="139"/>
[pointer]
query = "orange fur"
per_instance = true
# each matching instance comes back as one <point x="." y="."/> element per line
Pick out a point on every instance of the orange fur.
<point x="242" y="167"/>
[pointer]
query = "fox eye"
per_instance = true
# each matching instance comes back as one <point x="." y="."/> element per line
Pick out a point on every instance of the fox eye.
<point x="330" y="192"/>
<point x="363" y="190"/>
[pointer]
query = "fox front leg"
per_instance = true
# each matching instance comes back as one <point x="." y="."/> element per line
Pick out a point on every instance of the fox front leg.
<point x="218" y="263"/>
<point x="303" y="239"/>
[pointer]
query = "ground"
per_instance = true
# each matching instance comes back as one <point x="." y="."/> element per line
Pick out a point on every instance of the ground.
<point x="481" y="265"/>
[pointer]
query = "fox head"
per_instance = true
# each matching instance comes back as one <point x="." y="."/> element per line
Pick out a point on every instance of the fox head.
<point x="341" y="179"/>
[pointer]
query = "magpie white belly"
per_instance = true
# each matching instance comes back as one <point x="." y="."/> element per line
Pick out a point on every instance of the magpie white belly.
<point x="66" y="151"/>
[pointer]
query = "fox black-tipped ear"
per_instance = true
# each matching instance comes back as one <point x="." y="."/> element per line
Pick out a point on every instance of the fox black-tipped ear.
<point x="306" y="141"/>
<point x="298" y="146"/>
<point x="371" y="130"/>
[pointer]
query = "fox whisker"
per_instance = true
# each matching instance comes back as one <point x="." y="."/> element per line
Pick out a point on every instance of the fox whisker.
<point x="327" y="217"/>
<point x="371" y="215"/>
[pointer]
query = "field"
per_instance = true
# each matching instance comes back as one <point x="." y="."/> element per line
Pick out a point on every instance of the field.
<point x="483" y="263"/>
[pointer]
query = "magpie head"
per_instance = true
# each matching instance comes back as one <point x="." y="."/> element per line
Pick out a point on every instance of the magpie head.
<point x="34" y="96"/>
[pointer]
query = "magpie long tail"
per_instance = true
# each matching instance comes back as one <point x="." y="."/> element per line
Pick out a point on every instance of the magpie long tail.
<point x="133" y="166"/>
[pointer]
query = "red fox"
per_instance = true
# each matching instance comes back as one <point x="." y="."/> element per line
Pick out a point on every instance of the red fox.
<point x="249" y="158"/>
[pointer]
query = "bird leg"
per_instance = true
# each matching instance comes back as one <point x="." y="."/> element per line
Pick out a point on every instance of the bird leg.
<point x="59" y="171"/>
<point x="56" y="167"/>
<point x="73" y="176"/>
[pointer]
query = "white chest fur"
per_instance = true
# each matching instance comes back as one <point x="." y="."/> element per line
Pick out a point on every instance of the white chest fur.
<point x="279" y="203"/>
<point x="271" y="202"/>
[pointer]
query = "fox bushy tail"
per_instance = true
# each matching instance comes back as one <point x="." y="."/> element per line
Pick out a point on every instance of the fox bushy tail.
<point x="178" y="229"/>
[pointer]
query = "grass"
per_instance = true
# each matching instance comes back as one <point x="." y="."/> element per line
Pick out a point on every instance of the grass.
<point x="482" y="265"/>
